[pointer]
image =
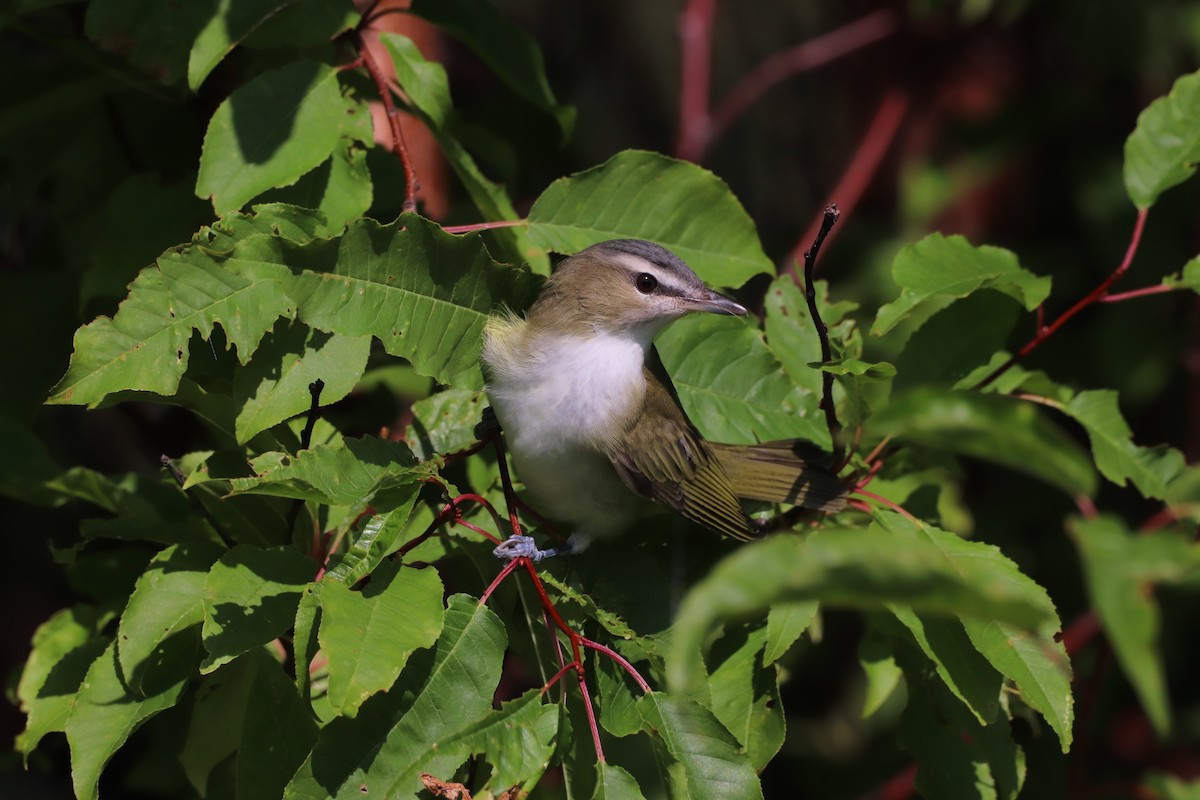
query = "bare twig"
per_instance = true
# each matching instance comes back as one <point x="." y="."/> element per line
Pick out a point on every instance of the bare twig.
<point x="810" y="293"/>
<point x="399" y="146"/>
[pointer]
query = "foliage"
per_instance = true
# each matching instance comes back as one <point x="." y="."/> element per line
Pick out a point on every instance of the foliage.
<point x="298" y="607"/>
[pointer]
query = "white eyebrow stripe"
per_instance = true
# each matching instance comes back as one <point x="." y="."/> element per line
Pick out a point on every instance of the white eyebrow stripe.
<point x="666" y="277"/>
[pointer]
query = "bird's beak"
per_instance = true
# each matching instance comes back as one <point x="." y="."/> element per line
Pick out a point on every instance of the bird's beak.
<point x="714" y="303"/>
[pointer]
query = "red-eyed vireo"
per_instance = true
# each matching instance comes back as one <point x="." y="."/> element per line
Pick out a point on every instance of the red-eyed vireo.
<point x="591" y="418"/>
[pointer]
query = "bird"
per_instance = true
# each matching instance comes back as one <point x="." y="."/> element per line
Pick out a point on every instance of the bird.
<point x="593" y="423"/>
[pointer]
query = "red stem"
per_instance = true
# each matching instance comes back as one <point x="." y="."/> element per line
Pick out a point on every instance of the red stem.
<point x="695" y="39"/>
<point x="1097" y="294"/>
<point x="484" y="226"/>
<point x="883" y="501"/>
<point x="399" y="146"/>
<point x="808" y="55"/>
<point x="1161" y="288"/>
<point x="863" y="165"/>
<point x="617" y="657"/>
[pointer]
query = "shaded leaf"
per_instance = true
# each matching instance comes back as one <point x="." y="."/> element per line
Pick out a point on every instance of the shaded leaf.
<point x="742" y="396"/>
<point x="1164" y="148"/>
<point x="445" y="422"/>
<point x="1000" y="430"/>
<point x="786" y="622"/>
<point x="940" y="269"/>
<point x="614" y="783"/>
<point x="155" y="37"/>
<point x="1188" y="277"/>
<point x="274" y="386"/>
<point x="145" y="345"/>
<point x="379" y="537"/>
<point x="744" y="694"/>
<point x="250" y="598"/>
<point x="63" y="648"/>
<point x="712" y="764"/>
<point x="516" y="739"/>
<point x="269" y="132"/>
<point x="368" y="635"/>
<point x="956" y="340"/>
<point x="230" y="23"/>
<point x="388" y="744"/>
<point x="641" y="195"/>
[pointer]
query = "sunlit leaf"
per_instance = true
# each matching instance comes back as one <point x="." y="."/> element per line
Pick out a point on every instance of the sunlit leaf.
<point x="641" y="195"/>
<point x="517" y="739"/>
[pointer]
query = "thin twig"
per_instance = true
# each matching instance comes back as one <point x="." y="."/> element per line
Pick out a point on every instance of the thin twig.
<point x="695" y="66"/>
<point x="811" y="54"/>
<point x="399" y="146"/>
<point x="863" y="164"/>
<point x="485" y="226"/>
<point x="883" y="501"/>
<point x="810" y="293"/>
<point x="1097" y="294"/>
<point x="180" y="479"/>
<point x="621" y="660"/>
<point x="314" y="411"/>
<point x="1147" y="291"/>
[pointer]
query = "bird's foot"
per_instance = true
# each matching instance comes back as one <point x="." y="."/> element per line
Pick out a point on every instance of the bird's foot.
<point x="524" y="547"/>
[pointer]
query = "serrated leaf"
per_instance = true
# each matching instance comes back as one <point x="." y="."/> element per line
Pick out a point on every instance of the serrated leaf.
<point x="386" y="747"/>
<point x="1000" y="430"/>
<point x="158" y="634"/>
<point x="104" y="716"/>
<point x="353" y="471"/>
<point x="274" y="386"/>
<point x="1117" y="457"/>
<point x="379" y="537"/>
<point x="1121" y="569"/>
<point x="848" y="567"/>
<point x="510" y="52"/>
<point x="270" y="220"/>
<point x="145" y="345"/>
<point x="959" y="758"/>
<point x="956" y="340"/>
<point x="786" y="622"/>
<point x="791" y="335"/>
<point x="445" y="422"/>
<point x="428" y="90"/>
<point x="614" y="783"/>
<point x="517" y="739"/>
<point x="1164" y="148"/>
<point x="368" y="635"/>
<point x="424" y="293"/>
<point x="1035" y="661"/>
<point x="744" y="694"/>
<point x="63" y="648"/>
<point x="269" y="132"/>
<point x="641" y="195"/>
<point x="250" y="598"/>
<point x="939" y="269"/>
<point x="742" y="396"/>
<point x="712" y="764"/>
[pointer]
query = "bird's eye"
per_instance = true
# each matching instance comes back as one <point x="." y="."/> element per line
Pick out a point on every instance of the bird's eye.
<point x="646" y="283"/>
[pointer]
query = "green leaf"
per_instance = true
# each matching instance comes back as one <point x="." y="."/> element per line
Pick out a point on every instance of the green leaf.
<point x="226" y="28"/>
<point x="156" y="37"/>
<point x="996" y="429"/>
<point x="742" y="396"/>
<point x="1034" y="660"/>
<point x="353" y="471"/>
<point x="1164" y="148"/>
<point x="517" y="739"/>
<point x="938" y="270"/>
<point x="104" y="716"/>
<point x="264" y="220"/>
<point x="786" y="622"/>
<point x="269" y="132"/>
<point x="956" y="340"/>
<point x="641" y="195"/>
<point x="614" y="783"/>
<point x="304" y="639"/>
<point x="63" y="648"/>
<point x="274" y="386"/>
<point x="158" y="635"/>
<point x="421" y="291"/>
<point x="882" y="672"/>
<point x="959" y="758"/>
<point x="428" y="90"/>
<point x="369" y="635"/>
<point x="711" y="762"/>
<point x="379" y="537"/>
<point x="145" y="345"/>
<point x="847" y="567"/>
<point x="510" y="52"/>
<point x="1188" y="277"/>
<point x="744" y="694"/>
<point x="445" y="422"/>
<point x="388" y="744"/>
<point x="1117" y="457"/>
<point x="248" y="710"/>
<point x="250" y="598"/>
<point x="1121" y="570"/>
<point x="791" y="335"/>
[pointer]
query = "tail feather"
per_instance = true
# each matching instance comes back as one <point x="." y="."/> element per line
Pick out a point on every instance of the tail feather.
<point x="792" y="472"/>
